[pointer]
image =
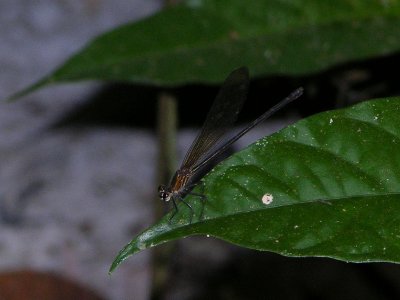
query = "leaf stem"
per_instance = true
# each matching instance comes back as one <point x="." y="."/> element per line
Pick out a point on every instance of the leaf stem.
<point x="167" y="124"/>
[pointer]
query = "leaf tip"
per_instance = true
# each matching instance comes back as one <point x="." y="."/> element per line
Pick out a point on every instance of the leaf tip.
<point x="121" y="256"/>
<point x="113" y="267"/>
<point x="37" y="85"/>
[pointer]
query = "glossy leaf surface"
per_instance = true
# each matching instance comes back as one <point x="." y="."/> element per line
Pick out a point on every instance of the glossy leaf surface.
<point x="335" y="182"/>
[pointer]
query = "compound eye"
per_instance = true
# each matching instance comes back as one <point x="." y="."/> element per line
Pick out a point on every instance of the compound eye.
<point x="163" y="193"/>
<point x="161" y="188"/>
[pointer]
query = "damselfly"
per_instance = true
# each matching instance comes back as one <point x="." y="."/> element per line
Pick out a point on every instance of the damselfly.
<point x="205" y="148"/>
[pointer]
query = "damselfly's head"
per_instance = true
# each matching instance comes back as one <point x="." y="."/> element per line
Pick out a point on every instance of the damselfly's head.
<point x="164" y="193"/>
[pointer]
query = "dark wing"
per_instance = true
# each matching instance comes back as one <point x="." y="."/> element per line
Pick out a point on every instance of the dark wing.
<point x="220" y="118"/>
<point x="217" y="151"/>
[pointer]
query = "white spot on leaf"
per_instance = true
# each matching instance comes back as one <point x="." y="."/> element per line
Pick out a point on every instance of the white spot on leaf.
<point x="267" y="199"/>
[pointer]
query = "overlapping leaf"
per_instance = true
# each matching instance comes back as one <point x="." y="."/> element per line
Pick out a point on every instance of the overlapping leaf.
<point x="203" y="40"/>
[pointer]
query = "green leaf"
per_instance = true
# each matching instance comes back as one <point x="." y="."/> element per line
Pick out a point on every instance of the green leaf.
<point x="335" y="182"/>
<point x="203" y="40"/>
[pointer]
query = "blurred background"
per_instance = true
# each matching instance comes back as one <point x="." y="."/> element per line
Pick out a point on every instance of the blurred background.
<point x="78" y="170"/>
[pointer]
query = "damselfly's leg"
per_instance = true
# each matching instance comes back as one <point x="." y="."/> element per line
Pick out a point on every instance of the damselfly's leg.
<point x="175" y="210"/>
<point x="202" y="197"/>
<point x="190" y="207"/>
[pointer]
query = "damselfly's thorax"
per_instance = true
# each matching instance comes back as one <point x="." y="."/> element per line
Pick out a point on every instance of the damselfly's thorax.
<point x="180" y="180"/>
<point x="177" y="187"/>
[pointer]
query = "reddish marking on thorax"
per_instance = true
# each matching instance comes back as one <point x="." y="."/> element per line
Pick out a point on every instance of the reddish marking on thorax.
<point x="180" y="180"/>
